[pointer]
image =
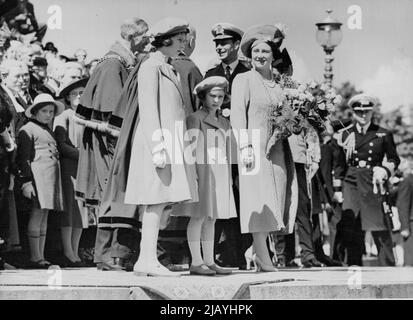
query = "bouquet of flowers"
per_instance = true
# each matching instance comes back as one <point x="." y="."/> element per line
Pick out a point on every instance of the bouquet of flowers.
<point x="324" y="103"/>
<point x="286" y="118"/>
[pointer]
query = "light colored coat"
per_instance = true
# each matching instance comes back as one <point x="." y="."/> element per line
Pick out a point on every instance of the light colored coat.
<point x="161" y="109"/>
<point x="268" y="191"/>
<point x="213" y="143"/>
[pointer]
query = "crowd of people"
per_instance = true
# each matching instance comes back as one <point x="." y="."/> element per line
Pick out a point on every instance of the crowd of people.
<point x="111" y="138"/>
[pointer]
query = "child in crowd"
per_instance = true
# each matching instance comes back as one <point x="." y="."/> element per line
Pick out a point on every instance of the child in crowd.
<point x="39" y="168"/>
<point x="213" y="142"/>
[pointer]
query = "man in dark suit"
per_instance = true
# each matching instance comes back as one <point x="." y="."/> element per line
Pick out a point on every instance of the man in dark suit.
<point x="231" y="249"/>
<point x="360" y="167"/>
<point x="227" y="40"/>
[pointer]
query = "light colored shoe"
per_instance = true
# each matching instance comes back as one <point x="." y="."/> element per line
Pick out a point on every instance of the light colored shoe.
<point x="153" y="271"/>
<point x="249" y="258"/>
<point x="261" y="267"/>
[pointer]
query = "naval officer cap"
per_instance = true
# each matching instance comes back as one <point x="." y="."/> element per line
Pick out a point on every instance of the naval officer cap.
<point x="210" y="83"/>
<point x="226" y="30"/>
<point x="362" y="102"/>
<point x="168" y="27"/>
<point x="272" y="34"/>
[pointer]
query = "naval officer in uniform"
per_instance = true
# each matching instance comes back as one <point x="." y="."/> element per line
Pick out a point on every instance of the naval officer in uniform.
<point x="231" y="249"/>
<point x="360" y="178"/>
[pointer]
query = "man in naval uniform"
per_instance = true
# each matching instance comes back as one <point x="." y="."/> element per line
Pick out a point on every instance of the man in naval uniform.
<point x="231" y="249"/>
<point x="361" y="174"/>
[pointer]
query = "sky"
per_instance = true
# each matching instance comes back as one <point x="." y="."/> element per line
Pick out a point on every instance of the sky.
<point x="378" y="58"/>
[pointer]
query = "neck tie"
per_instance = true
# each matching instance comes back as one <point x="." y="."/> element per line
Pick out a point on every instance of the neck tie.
<point x="228" y="72"/>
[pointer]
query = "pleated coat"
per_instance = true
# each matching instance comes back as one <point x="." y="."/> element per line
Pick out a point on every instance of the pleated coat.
<point x="268" y="191"/>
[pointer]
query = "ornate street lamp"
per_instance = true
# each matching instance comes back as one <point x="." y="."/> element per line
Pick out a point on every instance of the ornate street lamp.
<point x="329" y="36"/>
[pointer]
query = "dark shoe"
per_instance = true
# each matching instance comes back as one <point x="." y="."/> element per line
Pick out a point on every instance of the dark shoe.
<point x="67" y="263"/>
<point x="292" y="264"/>
<point x="201" y="270"/>
<point x="313" y="263"/>
<point x="329" y="262"/>
<point x="37" y="265"/>
<point x="219" y="270"/>
<point x="123" y="264"/>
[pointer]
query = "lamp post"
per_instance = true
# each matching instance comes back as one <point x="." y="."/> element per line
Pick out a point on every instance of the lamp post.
<point x="329" y="36"/>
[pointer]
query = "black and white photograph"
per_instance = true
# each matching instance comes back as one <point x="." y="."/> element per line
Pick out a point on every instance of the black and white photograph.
<point x="220" y="151"/>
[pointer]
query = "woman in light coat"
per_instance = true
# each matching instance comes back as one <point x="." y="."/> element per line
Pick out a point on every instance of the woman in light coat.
<point x="268" y="186"/>
<point x="158" y="174"/>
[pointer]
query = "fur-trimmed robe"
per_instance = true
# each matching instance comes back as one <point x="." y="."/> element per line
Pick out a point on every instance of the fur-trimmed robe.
<point x="100" y="98"/>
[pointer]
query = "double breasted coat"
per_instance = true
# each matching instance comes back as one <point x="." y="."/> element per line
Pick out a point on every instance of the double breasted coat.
<point x="214" y="147"/>
<point x="357" y="172"/>
<point x="38" y="160"/>
<point x="268" y="191"/>
<point x="162" y="122"/>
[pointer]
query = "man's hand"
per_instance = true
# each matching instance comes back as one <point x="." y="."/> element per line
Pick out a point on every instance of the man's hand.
<point x="247" y="157"/>
<point x="379" y="178"/>
<point x="159" y="159"/>
<point x="338" y="196"/>
<point x="28" y="190"/>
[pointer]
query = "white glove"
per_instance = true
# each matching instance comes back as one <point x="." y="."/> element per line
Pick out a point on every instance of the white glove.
<point x="379" y="178"/>
<point x="159" y="159"/>
<point x="338" y="196"/>
<point x="247" y="157"/>
<point x="28" y="190"/>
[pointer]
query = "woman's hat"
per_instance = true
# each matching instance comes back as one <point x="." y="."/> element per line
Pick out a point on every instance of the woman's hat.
<point x="71" y="86"/>
<point x="42" y="100"/>
<point x="210" y="83"/>
<point x="262" y="33"/>
<point x="168" y="27"/>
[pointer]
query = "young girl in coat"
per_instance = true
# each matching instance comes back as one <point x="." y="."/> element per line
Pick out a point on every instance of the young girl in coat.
<point x="212" y="145"/>
<point x="38" y="161"/>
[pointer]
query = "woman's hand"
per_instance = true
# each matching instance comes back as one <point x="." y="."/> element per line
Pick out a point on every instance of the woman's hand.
<point x="248" y="157"/>
<point x="159" y="159"/>
<point x="28" y="190"/>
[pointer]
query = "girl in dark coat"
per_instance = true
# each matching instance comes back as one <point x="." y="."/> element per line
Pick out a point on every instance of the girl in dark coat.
<point x="39" y="167"/>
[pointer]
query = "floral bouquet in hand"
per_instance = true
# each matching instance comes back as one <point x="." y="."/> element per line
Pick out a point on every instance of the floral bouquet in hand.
<point x="323" y="105"/>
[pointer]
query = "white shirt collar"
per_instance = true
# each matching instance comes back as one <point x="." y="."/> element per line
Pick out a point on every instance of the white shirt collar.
<point x="365" y="127"/>
<point x="231" y="65"/>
